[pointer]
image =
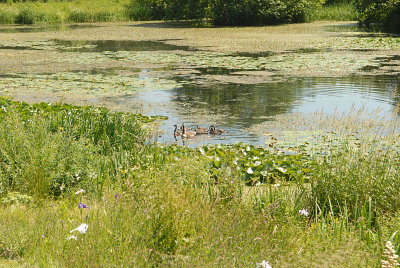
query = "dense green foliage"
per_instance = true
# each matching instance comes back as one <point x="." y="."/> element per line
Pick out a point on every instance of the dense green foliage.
<point x="385" y="12"/>
<point x="253" y="12"/>
<point x="47" y="149"/>
<point x="222" y="12"/>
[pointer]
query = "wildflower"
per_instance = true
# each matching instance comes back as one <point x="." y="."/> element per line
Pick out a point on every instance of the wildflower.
<point x="82" y="229"/>
<point x="304" y="212"/>
<point x="249" y="171"/>
<point x="81" y="205"/>
<point x="81" y="191"/>
<point x="263" y="264"/>
<point x="116" y="196"/>
<point x="202" y="151"/>
<point x="390" y="254"/>
<point x="72" y="237"/>
<point x="257" y="163"/>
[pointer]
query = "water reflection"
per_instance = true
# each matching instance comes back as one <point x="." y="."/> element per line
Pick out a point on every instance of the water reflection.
<point x="117" y="45"/>
<point x="46" y="28"/>
<point x="238" y="107"/>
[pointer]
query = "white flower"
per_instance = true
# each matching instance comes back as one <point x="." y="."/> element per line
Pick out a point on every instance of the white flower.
<point x="202" y="151"/>
<point x="263" y="264"/>
<point x="248" y="148"/>
<point x="257" y="163"/>
<point x="81" y="191"/>
<point x="304" y="212"/>
<point x="249" y="170"/>
<point x="82" y="229"/>
<point x="72" y="237"/>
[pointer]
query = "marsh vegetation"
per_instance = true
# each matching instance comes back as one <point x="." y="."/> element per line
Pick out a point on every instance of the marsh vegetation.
<point x="307" y="174"/>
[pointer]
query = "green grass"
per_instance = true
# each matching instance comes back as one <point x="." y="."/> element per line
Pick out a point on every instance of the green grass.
<point x="345" y="11"/>
<point x="153" y="205"/>
<point x="64" y="12"/>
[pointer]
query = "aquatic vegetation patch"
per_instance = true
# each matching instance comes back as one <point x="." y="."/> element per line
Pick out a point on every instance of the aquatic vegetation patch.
<point x="259" y="164"/>
<point x="361" y="43"/>
<point x="320" y="61"/>
<point x="83" y="82"/>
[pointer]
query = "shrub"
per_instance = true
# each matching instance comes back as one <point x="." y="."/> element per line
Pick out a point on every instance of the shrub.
<point x="26" y="16"/>
<point x="385" y="12"/>
<point x="224" y="12"/>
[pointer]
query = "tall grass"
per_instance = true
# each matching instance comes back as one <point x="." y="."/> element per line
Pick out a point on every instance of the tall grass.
<point x="149" y="205"/>
<point x="64" y="11"/>
<point x="337" y="11"/>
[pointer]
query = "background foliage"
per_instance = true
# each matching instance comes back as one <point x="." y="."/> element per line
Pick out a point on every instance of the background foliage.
<point x="224" y="12"/>
<point x="385" y="12"/>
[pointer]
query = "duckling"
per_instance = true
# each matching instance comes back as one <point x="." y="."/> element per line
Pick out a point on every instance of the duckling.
<point x="201" y="130"/>
<point x="187" y="134"/>
<point x="177" y="132"/>
<point x="213" y="130"/>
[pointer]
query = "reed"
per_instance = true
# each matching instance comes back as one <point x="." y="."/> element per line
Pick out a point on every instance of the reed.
<point x="146" y="204"/>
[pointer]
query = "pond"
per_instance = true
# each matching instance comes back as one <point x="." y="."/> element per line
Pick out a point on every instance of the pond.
<point x="234" y="90"/>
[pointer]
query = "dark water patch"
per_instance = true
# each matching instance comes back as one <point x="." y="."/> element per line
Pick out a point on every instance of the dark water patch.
<point x="351" y="27"/>
<point x="110" y="71"/>
<point x="308" y="50"/>
<point x="47" y="28"/>
<point x="217" y="70"/>
<point x="370" y="68"/>
<point x="175" y="24"/>
<point x="373" y="30"/>
<point x="20" y="48"/>
<point x="117" y="45"/>
<point x="254" y="55"/>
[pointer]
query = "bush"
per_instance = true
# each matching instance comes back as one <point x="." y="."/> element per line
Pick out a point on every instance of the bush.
<point x="224" y="12"/>
<point x="26" y="16"/>
<point x="385" y="12"/>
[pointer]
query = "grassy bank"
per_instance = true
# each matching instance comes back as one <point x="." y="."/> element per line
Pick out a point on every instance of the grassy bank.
<point x="63" y="12"/>
<point x="146" y="204"/>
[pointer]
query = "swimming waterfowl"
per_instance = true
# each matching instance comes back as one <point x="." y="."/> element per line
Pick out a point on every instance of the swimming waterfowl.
<point x="201" y="130"/>
<point x="187" y="134"/>
<point x="177" y="132"/>
<point x="214" y="131"/>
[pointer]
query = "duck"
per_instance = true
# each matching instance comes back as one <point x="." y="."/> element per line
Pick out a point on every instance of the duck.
<point x="187" y="134"/>
<point x="201" y="130"/>
<point x="177" y="132"/>
<point x="213" y="130"/>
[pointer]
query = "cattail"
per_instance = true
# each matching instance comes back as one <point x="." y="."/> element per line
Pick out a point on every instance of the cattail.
<point x="390" y="256"/>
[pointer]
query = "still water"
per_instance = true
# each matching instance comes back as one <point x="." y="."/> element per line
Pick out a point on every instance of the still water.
<point x="237" y="107"/>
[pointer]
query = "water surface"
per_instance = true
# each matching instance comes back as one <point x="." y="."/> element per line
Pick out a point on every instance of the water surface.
<point x="236" y="107"/>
